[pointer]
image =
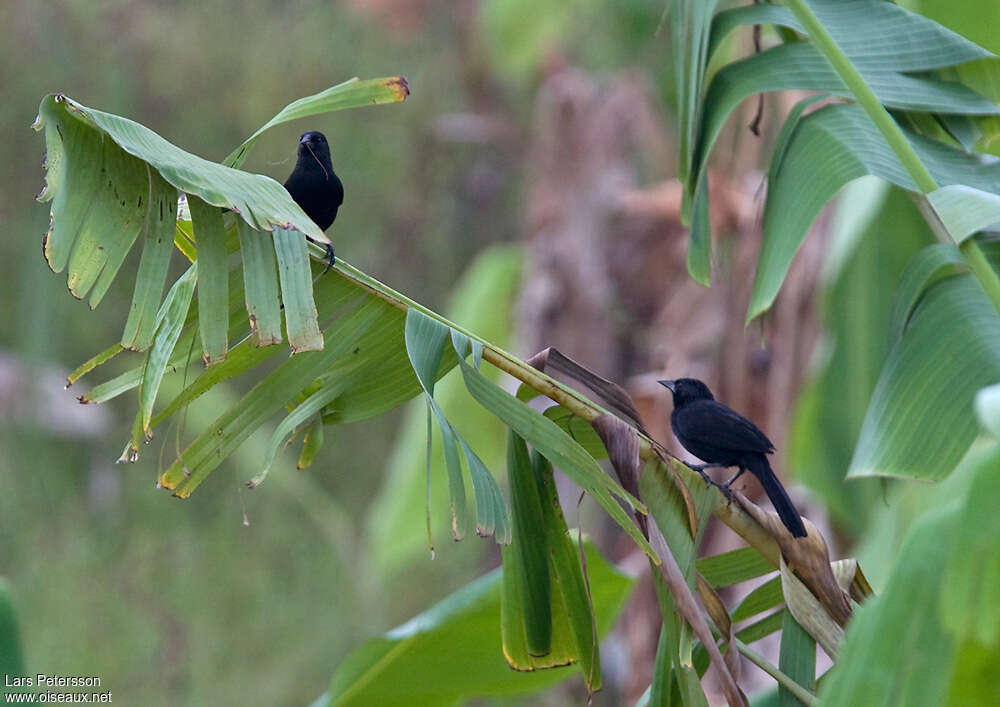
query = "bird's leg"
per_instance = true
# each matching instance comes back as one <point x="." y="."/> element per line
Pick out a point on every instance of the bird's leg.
<point x="735" y="476"/>
<point x="725" y="487"/>
<point x="330" y="259"/>
<point x="700" y="468"/>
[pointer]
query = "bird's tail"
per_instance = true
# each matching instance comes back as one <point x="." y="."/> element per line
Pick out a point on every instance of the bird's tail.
<point x="760" y="468"/>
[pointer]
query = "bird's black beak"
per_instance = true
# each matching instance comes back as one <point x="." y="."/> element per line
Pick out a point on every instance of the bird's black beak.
<point x="669" y="385"/>
<point x="303" y="140"/>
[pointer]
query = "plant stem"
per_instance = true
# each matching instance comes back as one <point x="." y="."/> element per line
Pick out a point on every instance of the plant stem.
<point x="864" y="95"/>
<point x="982" y="269"/>
<point x="802" y="694"/>
<point x="893" y="134"/>
<point x="731" y="514"/>
<point x="562" y="394"/>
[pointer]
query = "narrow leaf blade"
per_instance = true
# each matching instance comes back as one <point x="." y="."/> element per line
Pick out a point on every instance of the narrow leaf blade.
<point x="295" y="275"/>
<point x="213" y="280"/>
<point x="158" y="245"/>
<point x="352" y="93"/>
<point x="260" y="284"/>
<point x="171" y="321"/>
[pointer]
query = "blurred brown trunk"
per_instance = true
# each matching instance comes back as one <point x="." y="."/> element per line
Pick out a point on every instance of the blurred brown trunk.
<point x="607" y="281"/>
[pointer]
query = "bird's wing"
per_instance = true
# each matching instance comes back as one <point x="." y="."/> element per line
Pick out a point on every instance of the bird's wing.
<point x="724" y="428"/>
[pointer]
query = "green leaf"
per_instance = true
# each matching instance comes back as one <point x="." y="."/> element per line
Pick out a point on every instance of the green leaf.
<point x="307" y="409"/>
<point x="874" y="34"/>
<point x="690" y="25"/>
<point x="924" y="269"/>
<point x="312" y="442"/>
<point x="895" y="650"/>
<point x="158" y="242"/>
<point x="528" y="551"/>
<point x="674" y="667"/>
<point x="916" y="43"/>
<point x="259" y="200"/>
<point x="295" y="276"/>
<point x="797" y="660"/>
<point x="964" y="210"/>
<point x="764" y="627"/>
<point x="917" y="425"/>
<point x="486" y="293"/>
<point x="488" y="496"/>
<point x="95" y="361"/>
<point x="260" y="283"/>
<point x="170" y="322"/>
<point x="669" y="509"/>
<point x="675" y="675"/>
<point x="241" y="359"/>
<point x="218" y="440"/>
<point x="699" y="254"/>
<point x="425" y="342"/>
<point x="491" y="509"/>
<point x="766" y="596"/>
<point x="970" y="598"/>
<point x="873" y="242"/>
<point x="752" y="633"/>
<point x="848" y="145"/>
<point x="110" y="389"/>
<point x="388" y="379"/>
<point x="453" y="650"/>
<point x="100" y="198"/>
<point x="800" y="66"/>
<point x="665" y="663"/>
<point x="352" y="93"/>
<point x="733" y="567"/>
<point x="758" y="14"/>
<point x="558" y="447"/>
<point x="568" y="575"/>
<point x="213" y="280"/>
<point x="580" y="430"/>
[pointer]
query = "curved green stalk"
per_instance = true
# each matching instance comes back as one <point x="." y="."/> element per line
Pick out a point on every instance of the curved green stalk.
<point x="803" y="695"/>
<point x="731" y="514"/>
<point x="893" y="134"/>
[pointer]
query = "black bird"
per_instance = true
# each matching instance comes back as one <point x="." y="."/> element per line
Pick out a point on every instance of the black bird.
<point x="314" y="185"/>
<point x="723" y="438"/>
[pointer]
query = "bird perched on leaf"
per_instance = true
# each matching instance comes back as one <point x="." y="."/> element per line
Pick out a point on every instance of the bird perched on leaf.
<point x="314" y="185"/>
<point x="721" y="437"/>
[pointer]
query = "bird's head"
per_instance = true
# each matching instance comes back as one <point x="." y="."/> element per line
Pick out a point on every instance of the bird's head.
<point x="313" y="143"/>
<point x="687" y="390"/>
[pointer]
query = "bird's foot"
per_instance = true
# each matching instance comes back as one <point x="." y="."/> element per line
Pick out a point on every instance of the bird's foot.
<point x="724" y="488"/>
<point x="330" y="258"/>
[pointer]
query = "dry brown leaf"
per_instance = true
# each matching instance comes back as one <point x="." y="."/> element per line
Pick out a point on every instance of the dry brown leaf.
<point x="611" y="395"/>
<point x="720" y="617"/>
<point x="622" y="442"/>
<point x="807" y="557"/>
<point x="687" y="608"/>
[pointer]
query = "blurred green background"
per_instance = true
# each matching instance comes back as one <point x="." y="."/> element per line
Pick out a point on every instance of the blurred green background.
<point x="447" y="199"/>
<point x="175" y="603"/>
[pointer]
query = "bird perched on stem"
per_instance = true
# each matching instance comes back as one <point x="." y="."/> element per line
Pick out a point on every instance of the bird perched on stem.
<point x="722" y="438"/>
<point x="314" y="185"/>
